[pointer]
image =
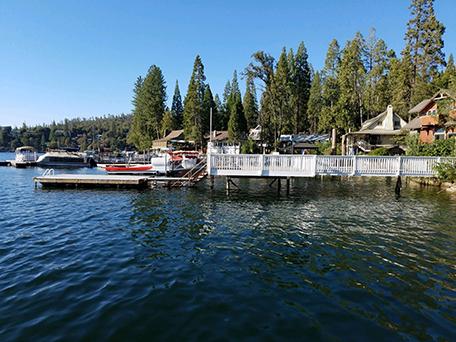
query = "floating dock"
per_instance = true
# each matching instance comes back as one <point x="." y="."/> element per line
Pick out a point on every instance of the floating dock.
<point x="5" y="163"/>
<point x="78" y="180"/>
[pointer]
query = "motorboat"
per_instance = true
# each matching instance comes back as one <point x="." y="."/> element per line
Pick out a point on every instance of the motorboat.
<point x="65" y="159"/>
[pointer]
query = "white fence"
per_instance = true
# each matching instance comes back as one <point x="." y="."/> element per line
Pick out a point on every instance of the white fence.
<point x="260" y="165"/>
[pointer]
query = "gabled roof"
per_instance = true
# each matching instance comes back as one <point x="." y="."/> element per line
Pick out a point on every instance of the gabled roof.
<point x="220" y="136"/>
<point x="420" y="106"/>
<point x="423" y="104"/>
<point x="371" y="123"/>
<point x="414" y="124"/>
<point x="174" y="135"/>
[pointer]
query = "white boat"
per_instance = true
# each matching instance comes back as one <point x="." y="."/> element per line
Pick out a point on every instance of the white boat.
<point x="25" y="156"/>
<point x="65" y="159"/>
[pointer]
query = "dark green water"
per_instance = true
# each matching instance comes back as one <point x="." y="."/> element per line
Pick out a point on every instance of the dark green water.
<point x="334" y="260"/>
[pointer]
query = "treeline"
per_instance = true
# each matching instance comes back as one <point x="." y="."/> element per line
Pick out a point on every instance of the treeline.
<point x="357" y="82"/>
<point x="108" y="132"/>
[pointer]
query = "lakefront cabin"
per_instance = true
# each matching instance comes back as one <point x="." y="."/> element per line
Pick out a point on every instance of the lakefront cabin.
<point x="380" y="131"/>
<point x="435" y="117"/>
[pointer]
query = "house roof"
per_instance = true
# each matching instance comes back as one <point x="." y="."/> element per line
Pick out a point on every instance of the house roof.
<point x="173" y="135"/>
<point x="220" y="136"/>
<point x="423" y="104"/>
<point x="377" y="132"/>
<point x="420" y="106"/>
<point x="414" y="124"/>
<point x="371" y="123"/>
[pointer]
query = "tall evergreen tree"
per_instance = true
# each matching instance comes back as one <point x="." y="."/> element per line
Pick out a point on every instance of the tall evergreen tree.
<point x="193" y="103"/>
<point x="315" y="104"/>
<point x="237" y="125"/>
<point x="149" y="101"/>
<point x="400" y="80"/>
<point x="350" y="110"/>
<point x="447" y="79"/>
<point x="301" y="81"/>
<point x="177" y="109"/>
<point x="208" y="103"/>
<point x="168" y="123"/>
<point x="330" y="87"/>
<point x="281" y="98"/>
<point x="377" y="94"/>
<point x="424" y="41"/>
<point x="250" y="104"/>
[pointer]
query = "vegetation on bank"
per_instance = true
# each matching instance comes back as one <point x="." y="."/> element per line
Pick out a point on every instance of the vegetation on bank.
<point x="108" y="132"/>
<point x="446" y="172"/>
<point x="357" y="82"/>
<point x="442" y="148"/>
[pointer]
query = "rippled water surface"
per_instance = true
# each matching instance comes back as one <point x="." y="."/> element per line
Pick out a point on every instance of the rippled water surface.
<point x="333" y="260"/>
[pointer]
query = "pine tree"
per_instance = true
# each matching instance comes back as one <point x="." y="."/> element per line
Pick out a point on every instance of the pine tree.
<point x="177" y="109"/>
<point x="149" y="107"/>
<point x="281" y="97"/>
<point x="400" y="80"/>
<point x="218" y="121"/>
<point x="447" y="79"/>
<point x="330" y="87"/>
<point x="193" y="103"/>
<point x="208" y="103"/>
<point x="377" y="94"/>
<point x="168" y="123"/>
<point x="350" y="111"/>
<point x="250" y="104"/>
<point x="301" y="80"/>
<point x="237" y="125"/>
<point x="315" y="104"/>
<point x="424" y="41"/>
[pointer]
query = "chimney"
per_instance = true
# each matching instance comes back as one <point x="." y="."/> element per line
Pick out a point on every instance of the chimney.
<point x="389" y="119"/>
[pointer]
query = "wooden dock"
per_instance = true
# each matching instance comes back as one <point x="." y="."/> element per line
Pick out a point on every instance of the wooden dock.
<point x="87" y="181"/>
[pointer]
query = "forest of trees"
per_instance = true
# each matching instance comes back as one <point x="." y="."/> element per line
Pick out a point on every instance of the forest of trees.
<point x="284" y="95"/>
<point x="109" y="132"/>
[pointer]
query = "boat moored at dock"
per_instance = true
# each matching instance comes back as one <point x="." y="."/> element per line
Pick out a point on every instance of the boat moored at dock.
<point x="65" y="159"/>
<point x="25" y="156"/>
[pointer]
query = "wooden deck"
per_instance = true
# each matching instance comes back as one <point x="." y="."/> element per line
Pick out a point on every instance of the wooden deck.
<point x="79" y="180"/>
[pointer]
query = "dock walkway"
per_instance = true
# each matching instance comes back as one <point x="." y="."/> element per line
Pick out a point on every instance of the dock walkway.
<point x="259" y="165"/>
<point x="78" y="180"/>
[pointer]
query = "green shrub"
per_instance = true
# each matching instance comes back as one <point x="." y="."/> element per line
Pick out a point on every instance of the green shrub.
<point x="446" y="172"/>
<point x="381" y="151"/>
<point x="442" y="148"/>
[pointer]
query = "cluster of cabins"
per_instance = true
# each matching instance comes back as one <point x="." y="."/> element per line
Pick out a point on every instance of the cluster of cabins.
<point x="435" y="118"/>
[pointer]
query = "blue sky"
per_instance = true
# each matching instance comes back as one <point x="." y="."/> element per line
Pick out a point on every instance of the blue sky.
<point x="80" y="58"/>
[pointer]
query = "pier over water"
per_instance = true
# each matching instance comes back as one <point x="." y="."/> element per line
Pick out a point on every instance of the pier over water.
<point x="261" y="165"/>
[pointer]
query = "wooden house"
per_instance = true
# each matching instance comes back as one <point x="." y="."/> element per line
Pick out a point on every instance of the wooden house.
<point x="377" y="132"/>
<point x="435" y="117"/>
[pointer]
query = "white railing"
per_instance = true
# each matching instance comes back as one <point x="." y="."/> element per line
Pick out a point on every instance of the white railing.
<point x="312" y="165"/>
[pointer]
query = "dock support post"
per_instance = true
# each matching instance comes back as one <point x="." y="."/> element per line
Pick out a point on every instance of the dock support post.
<point x="288" y="185"/>
<point x="227" y="184"/>
<point x="279" y="184"/>
<point x="397" y="190"/>
<point x="212" y="181"/>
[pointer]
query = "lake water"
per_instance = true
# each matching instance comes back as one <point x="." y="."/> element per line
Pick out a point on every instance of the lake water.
<point x="334" y="260"/>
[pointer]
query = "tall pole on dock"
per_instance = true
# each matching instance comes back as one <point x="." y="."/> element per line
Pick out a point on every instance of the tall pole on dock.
<point x="210" y="125"/>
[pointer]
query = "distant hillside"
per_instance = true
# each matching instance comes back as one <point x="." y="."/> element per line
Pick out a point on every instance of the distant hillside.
<point x="107" y="132"/>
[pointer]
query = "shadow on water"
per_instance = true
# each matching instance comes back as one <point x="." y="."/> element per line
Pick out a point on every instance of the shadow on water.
<point x="330" y="249"/>
<point x="336" y="258"/>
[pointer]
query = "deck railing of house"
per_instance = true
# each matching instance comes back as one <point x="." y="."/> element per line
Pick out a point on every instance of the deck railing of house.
<point x="259" y="165"/>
